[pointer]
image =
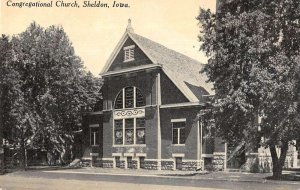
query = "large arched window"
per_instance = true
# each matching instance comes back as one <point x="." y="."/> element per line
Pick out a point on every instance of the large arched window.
<point x="129" y="126"/>
<point x="129" y="97"/>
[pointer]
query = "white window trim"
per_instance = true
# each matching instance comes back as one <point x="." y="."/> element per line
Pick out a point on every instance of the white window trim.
<point x="94" y="134"/>
<point x="129" y="47"/>
<point x="178" y="120"/>
<point x="178" y="130"/>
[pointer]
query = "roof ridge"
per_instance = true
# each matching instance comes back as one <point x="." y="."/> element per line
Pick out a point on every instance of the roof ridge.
<point x="167" y="48"/>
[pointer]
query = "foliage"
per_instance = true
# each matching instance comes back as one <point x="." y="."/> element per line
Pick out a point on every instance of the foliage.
<point x="253" y="49"/>
<point x="53" y="90"/>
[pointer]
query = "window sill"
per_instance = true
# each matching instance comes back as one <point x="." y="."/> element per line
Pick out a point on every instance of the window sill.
<point x="128" y="60"/>
<point x="178" y="144"/>
<point x="129" y="145"/>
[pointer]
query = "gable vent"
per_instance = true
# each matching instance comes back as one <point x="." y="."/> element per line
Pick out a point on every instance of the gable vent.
<point x="129" y="53"/>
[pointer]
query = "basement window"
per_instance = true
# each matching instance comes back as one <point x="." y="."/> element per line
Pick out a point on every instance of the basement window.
<point x="129" y="53"/>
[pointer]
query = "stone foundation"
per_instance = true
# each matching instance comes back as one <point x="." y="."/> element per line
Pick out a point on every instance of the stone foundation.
<point x="167" y="165"/>
<point x="218" y="161"/>
<point x="189" y="165"/>
<point x="151" y="165"/>
<point x="107" y="164"/>
<point x="134" y="164"/>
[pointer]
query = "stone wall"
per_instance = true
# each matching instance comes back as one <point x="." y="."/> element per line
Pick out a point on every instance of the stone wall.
<point x="151" y="165"/>
<point x="218" y="161"/>
<point x="189" y="165"/>
<point x="167" y="165"/>
<point x="107" y="164"/>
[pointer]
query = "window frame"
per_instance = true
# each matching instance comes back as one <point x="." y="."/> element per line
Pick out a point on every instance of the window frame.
<point x="178" y="140"/>
<point x="122" y="92"/>
<point x="94" y="140"/>
<point x="124" y="143"/>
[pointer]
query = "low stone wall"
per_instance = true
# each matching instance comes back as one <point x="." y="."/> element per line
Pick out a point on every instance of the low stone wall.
<point x="151" y="165"/>
<point x="218" y="161"/>
<point x="134" y="164"/>
<point x="107" y="164"/>
<point x="167" y="165"/>
<point x="98" y="163"/>
<point x="189" y="165"/>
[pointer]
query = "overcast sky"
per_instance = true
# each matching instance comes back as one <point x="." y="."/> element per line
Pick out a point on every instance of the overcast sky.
<point x="95" y="32"/>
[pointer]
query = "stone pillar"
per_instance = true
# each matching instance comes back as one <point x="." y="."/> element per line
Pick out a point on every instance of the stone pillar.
<point x="219" y="159"/>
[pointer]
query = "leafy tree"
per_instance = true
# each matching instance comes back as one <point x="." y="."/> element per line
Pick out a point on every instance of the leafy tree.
<point x="253" y="49"/>
<point x="54" y="90"/>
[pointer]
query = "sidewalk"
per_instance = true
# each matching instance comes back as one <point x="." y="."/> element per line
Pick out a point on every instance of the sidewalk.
<point x="200" y="175"/>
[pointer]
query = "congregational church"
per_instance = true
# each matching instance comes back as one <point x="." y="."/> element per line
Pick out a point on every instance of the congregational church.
<point x="151" y="111"/>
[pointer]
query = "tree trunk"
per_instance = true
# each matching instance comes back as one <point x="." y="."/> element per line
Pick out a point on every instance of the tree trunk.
<point x="23" y="159"/>
<point x="278" y="163"/>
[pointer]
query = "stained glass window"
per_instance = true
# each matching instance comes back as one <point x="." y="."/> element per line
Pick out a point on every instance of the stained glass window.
<point x="140" y="130"/>
<point x="129" y="131"/>
<point x="129" y="98"/>
<point x="119" y="131"/>
<point x="139" y="99"/>
<point x="119" y="101"/>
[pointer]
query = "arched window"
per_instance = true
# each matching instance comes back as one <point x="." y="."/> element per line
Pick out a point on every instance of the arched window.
<point x="130" y="129"/>
<point x="129" y="97"/>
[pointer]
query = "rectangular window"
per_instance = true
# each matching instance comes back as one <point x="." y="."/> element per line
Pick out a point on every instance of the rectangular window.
<point x="118" y="162"/>
<point x="142" y="162"/>
<point x="94" y="135"/>
<point x="178" y="132"/>
<point x="119" y="131"/>
<point x="129" y="162"/>
<point x="129" y="131"/>
<point x="178" y="161"/>
<point x="129" y="53"/>
<point x="140" y="130"/>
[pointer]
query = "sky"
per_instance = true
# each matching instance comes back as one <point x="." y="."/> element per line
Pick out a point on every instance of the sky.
<point x="94" y="32"/>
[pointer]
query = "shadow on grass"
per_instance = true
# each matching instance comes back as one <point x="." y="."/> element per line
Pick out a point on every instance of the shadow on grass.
<point x="39" y="168"/>
<point x="286" y="177"/>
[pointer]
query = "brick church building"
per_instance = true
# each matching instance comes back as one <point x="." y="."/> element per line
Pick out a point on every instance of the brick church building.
<point x="152" y="97"/>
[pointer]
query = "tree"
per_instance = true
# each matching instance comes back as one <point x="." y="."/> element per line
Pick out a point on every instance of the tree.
<point x="5" y="52"/>
<point x="253" y="50"/>
<point x="54" y="90"/>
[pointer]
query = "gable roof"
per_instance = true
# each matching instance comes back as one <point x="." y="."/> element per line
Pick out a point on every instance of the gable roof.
<point x="182" y="70"/>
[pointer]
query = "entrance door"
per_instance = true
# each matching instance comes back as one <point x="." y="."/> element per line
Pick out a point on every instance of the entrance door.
<point x="178" y="161"/>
